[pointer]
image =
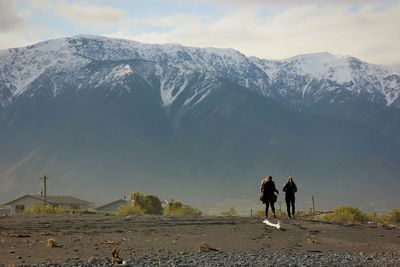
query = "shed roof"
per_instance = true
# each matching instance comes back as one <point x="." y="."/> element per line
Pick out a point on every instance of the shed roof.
<point x="122" y="201"/>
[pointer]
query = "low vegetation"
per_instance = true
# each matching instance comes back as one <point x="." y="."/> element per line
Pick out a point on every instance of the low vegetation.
<point x="393" y="217"/>
<point x="140" y="204"/>
<point x="348" y="215"/>
<point x="353" y="215"/>
<point x="129" y="209"/>
<point x="176" y="208"/>
<point x="45" y="209"/>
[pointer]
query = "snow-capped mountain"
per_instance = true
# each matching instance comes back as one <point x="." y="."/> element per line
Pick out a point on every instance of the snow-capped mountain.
<point x="302" y="80"/>
<point x="379" y="84"/>
<point x="104" y="117"/>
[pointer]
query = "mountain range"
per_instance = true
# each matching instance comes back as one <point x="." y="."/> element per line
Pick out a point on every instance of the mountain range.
<point x="103" y="117"/>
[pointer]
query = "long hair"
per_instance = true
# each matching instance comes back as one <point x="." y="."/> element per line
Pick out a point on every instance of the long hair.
<point x="265" y="180"/>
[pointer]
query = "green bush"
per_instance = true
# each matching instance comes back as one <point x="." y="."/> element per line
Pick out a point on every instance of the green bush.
<point x="45" y="209"/>
<point x="140" y="204"/>
<point x="229" y="213"/>
<point x="374" y="217"/>
<point x="176" y="208"/>
<point x="129" y="209"/>
<point x="393" y="217"/>
<point x="150" y="204"/>
<point x="346" y="215"/>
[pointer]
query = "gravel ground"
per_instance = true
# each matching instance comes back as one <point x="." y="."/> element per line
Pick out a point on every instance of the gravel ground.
<point x="255" y="258"/>
<point x="197" y="241"/>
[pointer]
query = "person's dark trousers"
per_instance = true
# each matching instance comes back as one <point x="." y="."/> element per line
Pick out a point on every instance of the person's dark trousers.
<point x="290" y="202"/>
<point x="267" y="207"/>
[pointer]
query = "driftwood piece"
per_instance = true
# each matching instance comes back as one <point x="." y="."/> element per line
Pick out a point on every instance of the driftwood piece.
<point x="108" y="242"/>
<point x="18" y="235"/>
<point x="49" y="233"/>
<point x="204" y="247"/>
<point x="276" y="225"/>
<point x="116" y="260"/>
<point x="310" y="239"/>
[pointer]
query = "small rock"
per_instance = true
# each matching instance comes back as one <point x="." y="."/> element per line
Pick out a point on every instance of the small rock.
<point x="91" y="259"/>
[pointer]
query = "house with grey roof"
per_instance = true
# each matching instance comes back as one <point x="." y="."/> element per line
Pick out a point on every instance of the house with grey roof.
<point x="112" y="206"/>
<point x="23" y="203"/>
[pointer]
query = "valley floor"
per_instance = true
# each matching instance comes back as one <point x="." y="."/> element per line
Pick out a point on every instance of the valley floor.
<point x="148" y="240"/>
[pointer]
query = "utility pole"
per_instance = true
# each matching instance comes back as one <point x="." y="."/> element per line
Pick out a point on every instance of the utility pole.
<point x="44" y="178"/>
<point x="313" y="201"/>
<point x="313" y="204"/>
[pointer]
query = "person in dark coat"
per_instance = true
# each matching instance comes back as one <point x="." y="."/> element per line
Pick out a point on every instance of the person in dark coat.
<point x="290" y="188"/>
<point x="268" y="196"/>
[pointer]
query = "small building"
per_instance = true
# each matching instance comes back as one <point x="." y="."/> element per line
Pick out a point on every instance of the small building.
<point x="112" y="206"/>
<point x="5" y="211"/>
<point x="66" y="202"/>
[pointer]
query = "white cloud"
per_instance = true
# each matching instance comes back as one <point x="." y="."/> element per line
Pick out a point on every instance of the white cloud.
<point x="97" y="16"/>
<point x="14" y="29"/>
<point x="9" y="18"/>
<point x="171" y="20"/>
<point x="17" y="28"/>
<point x="369" y="33"/>
<point x="285" y="3"/>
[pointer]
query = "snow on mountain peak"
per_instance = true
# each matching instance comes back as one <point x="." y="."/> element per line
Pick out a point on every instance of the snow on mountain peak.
<point x="19" y="67"/>
<point x="322" y="65"/>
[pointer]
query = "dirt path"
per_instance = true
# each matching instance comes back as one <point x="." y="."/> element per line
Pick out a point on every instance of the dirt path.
<point x="25" y="240"/>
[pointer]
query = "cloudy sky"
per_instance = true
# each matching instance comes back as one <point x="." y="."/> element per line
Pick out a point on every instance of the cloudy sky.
<point x="365" y="29"/>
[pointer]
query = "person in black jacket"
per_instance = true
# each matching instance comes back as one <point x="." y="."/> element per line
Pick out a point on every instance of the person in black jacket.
<point x="268" y="196"/>
<point x="290" y="188"/>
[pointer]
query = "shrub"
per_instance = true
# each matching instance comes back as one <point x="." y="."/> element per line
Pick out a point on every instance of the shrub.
<point x="373" y="217"/>
<point x="45" y="209"/>
<point x="393" y="217"/>
<point x="129" y="209"/>
<point x="230" y="213"/>
<point x="150" y="204"/>
<point x="176" y="208"/>
<point x="345" y="215"/>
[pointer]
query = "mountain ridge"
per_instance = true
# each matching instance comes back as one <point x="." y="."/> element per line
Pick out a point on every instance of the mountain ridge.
<point x="257" y="74"/>
<point x="103" y="116"/>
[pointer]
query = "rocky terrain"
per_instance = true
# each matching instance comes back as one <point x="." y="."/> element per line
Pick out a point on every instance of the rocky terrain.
<point x="195" y="241"/>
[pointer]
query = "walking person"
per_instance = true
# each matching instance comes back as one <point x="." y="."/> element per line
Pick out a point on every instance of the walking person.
<point x="290" y="188"/>
<point x="268" y="195"/>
